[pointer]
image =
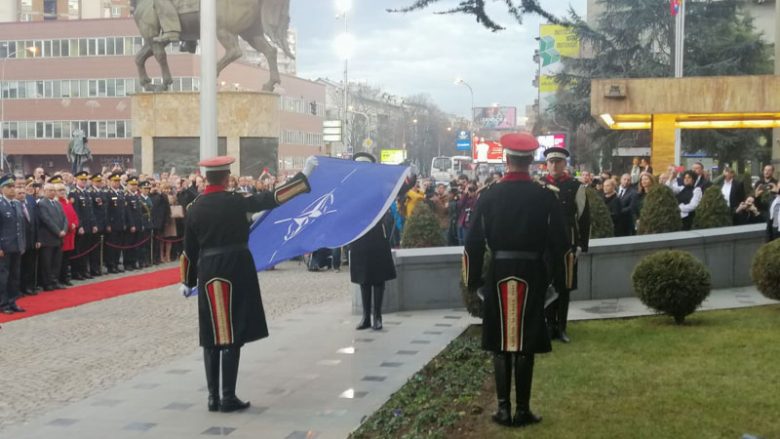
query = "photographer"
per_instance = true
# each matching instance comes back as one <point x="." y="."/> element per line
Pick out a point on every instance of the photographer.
<point x="747" y="213"/>
<point x="466" y="205"/>
<point x="764" y="189"/>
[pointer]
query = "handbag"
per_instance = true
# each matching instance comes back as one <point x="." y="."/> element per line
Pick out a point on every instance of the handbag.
<point x="177" y="212"/>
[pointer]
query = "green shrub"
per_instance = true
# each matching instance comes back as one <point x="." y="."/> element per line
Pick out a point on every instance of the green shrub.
<point x="766" y="269"/>
<point x="671" y="282"/>
<point x="713" y="210"/>
<point x="422" y="229"/>
<point x="600" y="221"/>
<point x="660" y="212"/>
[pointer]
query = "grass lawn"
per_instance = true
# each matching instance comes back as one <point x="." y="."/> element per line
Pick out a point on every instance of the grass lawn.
<point x="717" y="376"/>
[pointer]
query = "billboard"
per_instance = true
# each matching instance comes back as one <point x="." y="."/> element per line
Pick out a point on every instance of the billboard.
<point x="548" y="141"/>
<point x="555" y="43"/>
<point x="487" y="151"/>
<point x="495" y="118"/>
<point x="392" y="156"/>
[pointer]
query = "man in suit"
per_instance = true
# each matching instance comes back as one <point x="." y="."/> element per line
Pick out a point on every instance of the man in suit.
<point x="733" y="192"/>
<point x="53" y="226"/>
<point x="12" y="245"/>
<point x="627" y="197"/>
<point x="701" y="180"/>
<point x="29" y="263"/>
<point x="161" y="213"/>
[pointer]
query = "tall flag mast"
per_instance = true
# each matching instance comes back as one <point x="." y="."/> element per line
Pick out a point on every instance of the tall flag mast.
<point x="677" y="9"/>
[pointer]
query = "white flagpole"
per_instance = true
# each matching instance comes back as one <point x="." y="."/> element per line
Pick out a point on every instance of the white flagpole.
<point x="679" y="48"/>
<point x="208" y="79"/>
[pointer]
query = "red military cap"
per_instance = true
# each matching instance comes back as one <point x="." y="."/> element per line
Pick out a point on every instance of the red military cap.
<point x="219" y="163"/>
<point x="519" y="144"/>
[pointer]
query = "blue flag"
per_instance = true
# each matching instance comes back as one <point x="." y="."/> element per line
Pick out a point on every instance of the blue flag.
<point x="347" y="199"/>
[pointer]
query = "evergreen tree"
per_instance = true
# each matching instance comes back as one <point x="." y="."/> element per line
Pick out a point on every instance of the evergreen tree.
<point x="660" y="212"/>
<point x="422" y="229"/>
<point x="600" y="221"/>
<point x="712" y="210"/>
<point x="477" y="8"/>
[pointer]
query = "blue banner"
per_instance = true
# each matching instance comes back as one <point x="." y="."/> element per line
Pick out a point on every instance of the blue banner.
<point x="463" y="141"/>
<point x="347" y="199"/>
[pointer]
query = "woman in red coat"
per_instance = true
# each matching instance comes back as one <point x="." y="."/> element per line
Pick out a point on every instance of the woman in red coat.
<point x="69" y="241"/>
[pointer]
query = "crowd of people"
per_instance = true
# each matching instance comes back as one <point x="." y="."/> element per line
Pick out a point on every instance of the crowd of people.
<point x="63" y="228"/>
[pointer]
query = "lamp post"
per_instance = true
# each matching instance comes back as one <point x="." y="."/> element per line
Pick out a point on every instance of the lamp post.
<point x="344" y="44"/>
<point x="2" y="102"/>
<point x="460" y="81"/>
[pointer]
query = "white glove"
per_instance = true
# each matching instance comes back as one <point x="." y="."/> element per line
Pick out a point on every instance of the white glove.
<point x="308" y="167"/>
<point x="578" y="252"/>
<point x="187" y="291"/>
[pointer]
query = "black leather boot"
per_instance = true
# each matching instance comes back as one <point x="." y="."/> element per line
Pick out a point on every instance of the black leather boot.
<point x="502" y="365"/>
<point x="230" y="359"/>
<point x="211" y="360"/>
<point x="524" y="375"/>
<point x="379" y="294"/>
<point x="365" y="297"/>
<point x="551" y="317"/>
<point x="563" y="317"/>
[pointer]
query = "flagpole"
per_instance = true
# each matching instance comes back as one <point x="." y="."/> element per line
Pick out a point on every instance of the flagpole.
<point x="679" y="50"/>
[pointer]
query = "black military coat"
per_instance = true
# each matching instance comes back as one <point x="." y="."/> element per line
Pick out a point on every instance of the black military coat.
<point x="217" y="259"/>
<point x="99" y="207"/>
<point x="134" y="212"/>
<point x="521" y="224"/>
<point x="576" y="219"/>
<point x="370" y="257"/>
<point x="116" y="210"/>
<point x="83" y="205"/>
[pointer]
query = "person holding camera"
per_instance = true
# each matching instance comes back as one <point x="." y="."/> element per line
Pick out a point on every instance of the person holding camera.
<point x="773" y="221"/>
<point x="465" y="209"/>
<point x="763" y="191"/>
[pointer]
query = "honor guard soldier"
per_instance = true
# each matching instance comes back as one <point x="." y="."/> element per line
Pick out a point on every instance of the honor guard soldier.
<point x="145" y="205"/>
<point x="116" y="223"/>
<point x="99" y="209"/>
<point x="521" y="225"/>
<point x="86" y="234"/>
<point x="576" y="217"/>
<point x="134" y="228"/>
<point x="217" y="261"/>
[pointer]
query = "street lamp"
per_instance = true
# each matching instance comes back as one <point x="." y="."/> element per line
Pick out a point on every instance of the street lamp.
<point x="344" y="45"/>
<point x="460" y="81"/>
<point x="2" y="102"/>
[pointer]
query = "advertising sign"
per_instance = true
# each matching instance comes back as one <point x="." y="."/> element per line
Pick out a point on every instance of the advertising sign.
<point x="555" y="42"/>
<point x="463" y="140"/>
<point x="495" y="118"/>
<point x="548" y="141"/>
<point x="488" y="151"/>
<point x="392" y="156"/>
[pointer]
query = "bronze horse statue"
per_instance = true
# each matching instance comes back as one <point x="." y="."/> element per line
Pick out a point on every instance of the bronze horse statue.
<point x="252" y="20"/>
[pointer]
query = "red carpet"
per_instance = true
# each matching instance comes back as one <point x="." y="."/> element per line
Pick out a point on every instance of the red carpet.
<point x="48" y="301"/>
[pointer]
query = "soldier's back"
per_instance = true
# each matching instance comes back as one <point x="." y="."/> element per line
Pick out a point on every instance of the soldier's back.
<point x="218" y="219"/>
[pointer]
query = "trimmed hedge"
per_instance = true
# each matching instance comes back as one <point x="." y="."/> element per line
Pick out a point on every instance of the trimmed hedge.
<point x="422" y="229"/>
<point x="713" y="210"/>
<point x="600" y="221"/>
<point x="672" y="282"/>
<point x="765" y="269"/>
<point x="660" y="212"/>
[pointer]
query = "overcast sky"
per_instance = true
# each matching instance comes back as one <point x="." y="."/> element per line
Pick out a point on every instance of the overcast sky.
<point x="420" y="52"/>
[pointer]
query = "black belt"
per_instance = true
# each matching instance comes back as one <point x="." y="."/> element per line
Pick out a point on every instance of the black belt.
<point x="213" y="251"/>
<point x="517" y="255"/>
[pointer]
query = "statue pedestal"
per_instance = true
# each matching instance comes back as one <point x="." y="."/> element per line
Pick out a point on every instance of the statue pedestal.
<point x="166" y="131"/>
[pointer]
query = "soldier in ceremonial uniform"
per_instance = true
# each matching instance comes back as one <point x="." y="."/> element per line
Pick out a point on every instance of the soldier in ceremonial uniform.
<point x="217" y="261"/>
<point x="99" y="209"/>
<point x="86" y="234"/>
<point x="12" y="245"/>
<point x="521" y="224"/>
<point x="116" y="222"/>
<point x="576" y="217"/>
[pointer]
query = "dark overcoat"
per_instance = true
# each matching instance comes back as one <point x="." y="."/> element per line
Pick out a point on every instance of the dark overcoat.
<point x="576" y="220"/>
<point x="522" y="225"/>
<point x="371" y="258"/>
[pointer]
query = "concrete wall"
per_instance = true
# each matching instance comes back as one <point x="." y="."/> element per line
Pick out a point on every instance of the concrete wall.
<point x="429" y="278"/>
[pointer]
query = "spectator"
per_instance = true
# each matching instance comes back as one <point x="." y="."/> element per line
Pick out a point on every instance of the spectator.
<point x="586" y="178"/>
<point x="611" y="200"/>
<point x="773" y="221"/>
<point x="688" y="195"/>
<point x="763" y="190"/>
<point x="12" y="245"/>
<point x="627" y="197"/>
<point x="53" y="228"/>
<point x="29" y="204"/>
<point x="466" y="206"/>
<point x="733" y="192"/>
<point x="635" y="171"/>
<point x="644" y="165"/>
<point x="69" y="240"/>
<point x="747" y="213"/>
<point x="646" y="182"/>
<point x="700" y="181"/>
<point x="453" y="213"/>
<point x="414" y="196"/>
<point x="440" y="200"/>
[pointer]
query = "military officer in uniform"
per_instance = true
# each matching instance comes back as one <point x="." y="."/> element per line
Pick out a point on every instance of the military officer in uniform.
<point x="576" y="217"/>
<point x="135" y="226"/>
<point x="521" y="224"/>
<point x="217" y="261"/>
<point x="99" y="209"/>
<point x="12" y="245"/>
<point x="81" y="201"/>
<point x="116" y="222"/>
<point x="145" y="206"/>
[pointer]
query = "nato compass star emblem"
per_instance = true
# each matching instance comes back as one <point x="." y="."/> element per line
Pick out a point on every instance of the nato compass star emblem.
<point x="316" y="209"/>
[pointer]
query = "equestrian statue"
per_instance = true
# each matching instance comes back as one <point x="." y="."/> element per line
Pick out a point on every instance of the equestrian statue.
<point x="162" y="22"/>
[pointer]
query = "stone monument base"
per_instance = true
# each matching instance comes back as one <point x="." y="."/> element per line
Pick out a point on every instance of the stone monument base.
<point x="166" y="131"/>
